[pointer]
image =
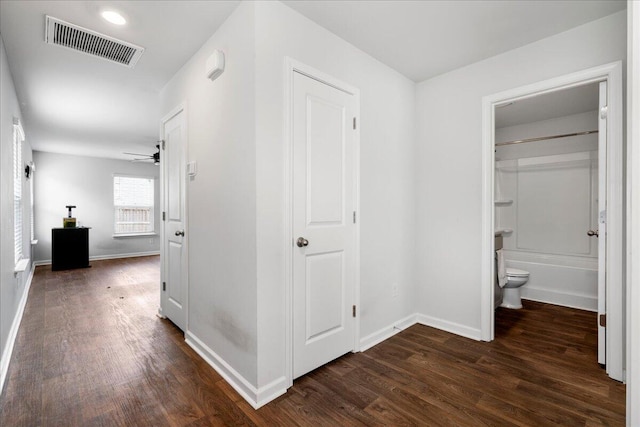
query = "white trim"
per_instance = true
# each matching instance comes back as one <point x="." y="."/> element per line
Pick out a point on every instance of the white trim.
<point x="18" y="124"/>
<point x="180" y="108"/>
<point x="633" y="213"/>
<point x="452" y="327"/>
<point x="612" y="73"/>
<point x="151" y="208"/>
<point x="13" y="332"/>
<point x="171" y="114"/>
<point x="290" y="67"/>
<point x="21" y="266"/>
<point x="128" y="175"/>
<point x="387" y="332"/>
<point x="288" y="218"/>
<point x="256" y="397"/>
<point x="129" y="255"/>
<point x="146" y="234"/>
<point x="104" y="257"/>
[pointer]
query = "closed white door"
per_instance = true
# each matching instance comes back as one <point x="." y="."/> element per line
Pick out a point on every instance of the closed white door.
<point x="174" y="277"/>
<point x="324" y="189"/>
<point x="602" y="225"/>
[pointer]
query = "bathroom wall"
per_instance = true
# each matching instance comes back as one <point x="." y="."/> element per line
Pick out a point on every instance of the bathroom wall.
<point x="547" y="194"/>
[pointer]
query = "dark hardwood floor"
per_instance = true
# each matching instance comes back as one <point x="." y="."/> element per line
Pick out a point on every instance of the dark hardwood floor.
<point x="91" y="352"/>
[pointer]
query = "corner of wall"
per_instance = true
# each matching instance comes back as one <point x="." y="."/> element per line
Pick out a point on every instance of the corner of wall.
<point x="255" y="396"/>
<point x="222" y="324"/>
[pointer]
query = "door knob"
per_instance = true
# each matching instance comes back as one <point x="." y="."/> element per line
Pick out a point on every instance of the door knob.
<point x="592" y="233"/>
<point x="180" y="233"/>
<point x="302" y="242"/>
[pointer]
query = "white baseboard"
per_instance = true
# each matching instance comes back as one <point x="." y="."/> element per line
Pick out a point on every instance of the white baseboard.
<point x="254" y="396"/>
<point x="160" y="314"/>
<point x="258" y="397"/>
<point x="13" y="332"/>
<point x="445" y="325"/>
<point x="582" y="302"/>
<point x="103" y="257"/>
<point x="387" y="332"/>
<point x="129" y="255"/>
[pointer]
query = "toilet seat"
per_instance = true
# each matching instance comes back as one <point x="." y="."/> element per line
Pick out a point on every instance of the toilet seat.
<point x="517" y="273"/>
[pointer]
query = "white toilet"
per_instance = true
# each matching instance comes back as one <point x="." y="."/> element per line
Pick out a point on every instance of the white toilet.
<point x="511" y="291"/>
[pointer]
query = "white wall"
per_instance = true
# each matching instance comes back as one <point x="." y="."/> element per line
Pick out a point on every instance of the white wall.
<point x="222" y="197"/>
<point x="13" y="287"/>
<point x="87" y="182"/>
<point x="633" y="240"/>
<point x="449" y="159"/>
<point x="236" y="202"/>
<point x="387" y="187"/>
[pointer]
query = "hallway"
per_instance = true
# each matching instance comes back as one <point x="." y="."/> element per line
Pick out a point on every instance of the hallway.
<point x="91" y="351"/>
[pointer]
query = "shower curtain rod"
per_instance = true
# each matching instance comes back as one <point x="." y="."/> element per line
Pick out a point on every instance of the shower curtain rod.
<point x="542" y="138"/>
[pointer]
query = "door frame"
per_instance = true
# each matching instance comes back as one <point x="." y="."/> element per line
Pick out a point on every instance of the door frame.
<point x="180" y="108"/>
<point x="612" y="73"/>
<point x="292" y="66"/>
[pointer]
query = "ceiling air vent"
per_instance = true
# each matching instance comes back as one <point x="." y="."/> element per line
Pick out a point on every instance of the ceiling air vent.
<point x="90" y="42"/>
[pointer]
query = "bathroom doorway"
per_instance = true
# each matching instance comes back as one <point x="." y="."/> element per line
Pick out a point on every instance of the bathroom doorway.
<point x="556" y="175"/>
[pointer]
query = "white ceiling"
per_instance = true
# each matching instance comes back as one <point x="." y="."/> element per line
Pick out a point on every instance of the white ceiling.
<point x="73" y="103"/>
<point x="562" y="103"/>
<point x="78" y="104"/>
<point x="422" y="39"/>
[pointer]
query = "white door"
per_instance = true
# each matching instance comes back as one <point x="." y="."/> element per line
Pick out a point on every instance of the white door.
<point x="602" y="226"/>
<point x="324" y="190"/>
<point x="174" y="271"/>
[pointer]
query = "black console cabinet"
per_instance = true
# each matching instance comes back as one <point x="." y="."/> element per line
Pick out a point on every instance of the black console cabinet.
<point x="69" y="248"/>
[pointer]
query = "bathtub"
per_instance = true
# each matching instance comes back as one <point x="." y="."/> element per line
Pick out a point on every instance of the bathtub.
<point x="568" y="281"/>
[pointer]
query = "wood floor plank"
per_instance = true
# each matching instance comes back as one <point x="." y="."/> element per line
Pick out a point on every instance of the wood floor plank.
<point x="92" y="352"/>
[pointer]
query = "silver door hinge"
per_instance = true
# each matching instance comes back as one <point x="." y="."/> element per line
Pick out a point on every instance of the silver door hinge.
<point x="354" y="122"/>
<point x="164" y="216"/>
<point x="603" y="320"/>
<point x="164" y="286"/>
<point x="354" y="217"/>
<point x="353" y="310"/>
<point x="162" y="141"/>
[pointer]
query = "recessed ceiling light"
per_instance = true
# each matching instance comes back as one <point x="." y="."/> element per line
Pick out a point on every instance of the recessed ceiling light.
<point x="114" y="17"/>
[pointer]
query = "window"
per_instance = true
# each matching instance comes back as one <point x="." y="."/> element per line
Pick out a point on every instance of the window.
<point x="133" y="205"/>
<point x="18" y="137"/>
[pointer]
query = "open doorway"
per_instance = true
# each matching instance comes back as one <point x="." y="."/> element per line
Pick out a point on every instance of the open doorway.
<point x="539" y="194"/>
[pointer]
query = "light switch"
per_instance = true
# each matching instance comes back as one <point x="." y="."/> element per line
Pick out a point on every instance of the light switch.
<point x="192" y="168"/>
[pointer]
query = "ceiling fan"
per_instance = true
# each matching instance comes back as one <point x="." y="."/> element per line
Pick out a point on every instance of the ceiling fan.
<point x="155" y="157"/>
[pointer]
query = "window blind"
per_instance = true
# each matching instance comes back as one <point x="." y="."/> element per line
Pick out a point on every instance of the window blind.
<point x="18" y="136"/>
